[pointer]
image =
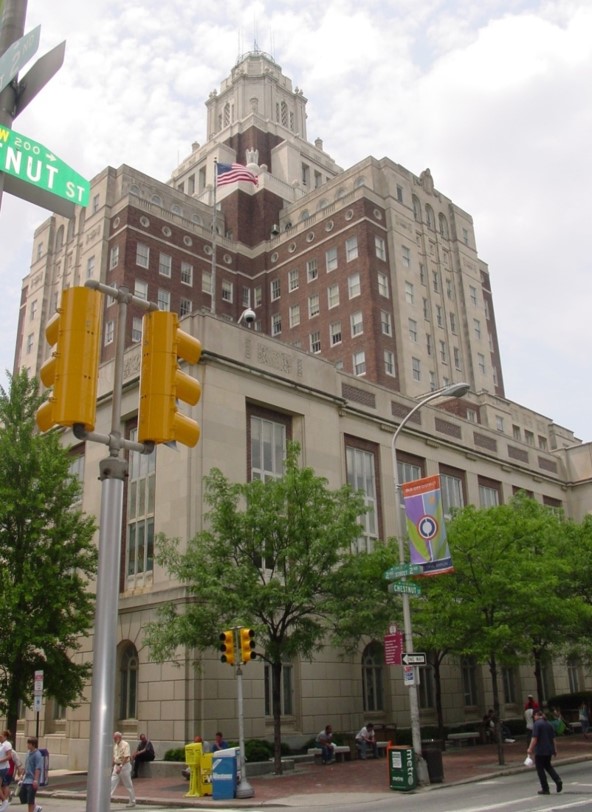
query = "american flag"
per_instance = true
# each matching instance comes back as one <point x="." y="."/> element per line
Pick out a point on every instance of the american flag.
<point x="229" y="173"/>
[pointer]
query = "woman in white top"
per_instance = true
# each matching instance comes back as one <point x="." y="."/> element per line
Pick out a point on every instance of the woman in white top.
<point x="5" y="776"/>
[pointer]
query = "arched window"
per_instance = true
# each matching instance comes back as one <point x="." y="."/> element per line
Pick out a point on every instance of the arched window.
<point x="59" y="238"/>
<point x="416" y="209"/>
<point x="443" y="226"/>
<point x="128" y="682"/>
<point x="156" y="200"/>
<point x="71" y="228"/>
<point x="430" y="217"/>
<point x="373" y="677"/>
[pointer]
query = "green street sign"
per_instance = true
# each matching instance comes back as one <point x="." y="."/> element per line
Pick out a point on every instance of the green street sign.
<point x="405" y="587"/>
<point x="35" y="164"/>
<point x="403" y="570"/>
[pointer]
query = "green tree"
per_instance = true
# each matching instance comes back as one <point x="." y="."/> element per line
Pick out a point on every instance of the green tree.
<point x="277" y="558"/>
<point x="46" y="558"/>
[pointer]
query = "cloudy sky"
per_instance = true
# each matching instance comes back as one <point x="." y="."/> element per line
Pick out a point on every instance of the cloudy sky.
<point x="492" y="95"/>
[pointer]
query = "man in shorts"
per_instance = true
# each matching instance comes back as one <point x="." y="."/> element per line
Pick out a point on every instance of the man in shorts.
<point x="32" y="775"/>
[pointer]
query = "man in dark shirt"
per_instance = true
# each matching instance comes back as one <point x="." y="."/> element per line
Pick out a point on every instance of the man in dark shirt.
<point x="543" y="746"/>
<point x="144" y="752"/>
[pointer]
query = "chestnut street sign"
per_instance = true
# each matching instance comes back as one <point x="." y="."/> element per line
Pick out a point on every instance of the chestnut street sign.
<point x="29" y="161"/>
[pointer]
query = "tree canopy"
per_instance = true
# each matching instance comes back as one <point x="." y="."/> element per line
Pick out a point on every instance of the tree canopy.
<point x="47" y="556"/>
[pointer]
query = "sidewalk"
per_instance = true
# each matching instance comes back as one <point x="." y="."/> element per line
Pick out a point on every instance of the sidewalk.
<point x="366" y="780"/>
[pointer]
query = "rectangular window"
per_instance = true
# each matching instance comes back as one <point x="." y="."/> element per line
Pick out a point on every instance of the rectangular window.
<point x="164" y="299"/>
<point x="477" y="328"/>
<point x="353" y="285"/>
<point x="206" y="282"/>
<point x="335" y="333"/>
<point x="468" y="667"/>
<point x="286" y="690"/>
<point x="489" y="493"/>
<point x="136" y="329"/>
<point x="275" y="289"/>
<point x="409" y="293"/>
<point x="109" y="332"/>
<point x="439" y="316"/>
<point x="481" y="362"/>
<point x="473" y="294"/>
<point x="389" y="363"/>
<point x="227" y="291"/>
<point x="516" y="433"/>
<point x="314" y="306"/>
<point x="422" y="273"/>
<point x="331" y="259"/>
<point x="429" y="344"/>
<point x="435" y="281"/>
<point x="406" y="256"/>
<point x="452" y="490"/>
<point x="165" y="265"/>
<point x="333" y="295"/>
<point x="499" y="422"/>
<point x="315" y="341"/>
<point x="293" y="280"/>
<point x="356" y="323"/>
<point x="386" y="323"/>
<point x="351" y="249"/>
<point x="426" y="687"/>
<point x="426" y="309"/>
<point x="30" y="339"/>
<point x="465" y="235"/>
<point x="453" y="323"/>
<point x="114" y="257"/>
<point x="140" y="513"/>
<point x="529" y="437"/>
<point x="185" y="306"/>
<point x="443" y="352"/>
<point x="449" y="290"/>
<point x="142" y="255"/>
<point x="186" y="273"/>
<point x="95" y="203"/>
<point x="246" y="296"/>
<point x="268" y="448"/>
<point x="380" y="248"/>
<point x="257" y="296"/>
<point x="90" y="267"/>
<point x="312" y="271"/>
<point x="412" y="329"/>
<point x="361" y="476"/>
<point x="399" y="193"/>
<point x="294" y="315"/>
<point x="416" y="369"/>
<point x="457" y="360"/>
<point x="383" y="284"/>
<point x="359" y="363"/>
<point x="509" y="682"/>
<point x="276" y="324"/>
<point x="141" y="289"/>
<point x="409" y="468"/>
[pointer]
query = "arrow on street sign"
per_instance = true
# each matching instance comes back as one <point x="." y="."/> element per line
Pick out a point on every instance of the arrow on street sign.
<point x="35" y="164"/>
<point x="403" y="570"/>
<point x="419" y="658"/>
<point x="404" y="587"/>
<point x="17" y="55"/>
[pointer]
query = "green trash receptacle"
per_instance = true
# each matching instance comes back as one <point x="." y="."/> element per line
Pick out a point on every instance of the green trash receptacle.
<point x="433" y="759"/>
<point x="402" y="768"/>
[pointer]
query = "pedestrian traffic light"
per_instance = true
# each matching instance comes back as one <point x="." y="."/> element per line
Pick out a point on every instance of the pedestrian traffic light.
<point x="72" y="371"/>
<point x="247" y="644"/>
<point x="227" y="647"/>
<point x="162" y="383"/>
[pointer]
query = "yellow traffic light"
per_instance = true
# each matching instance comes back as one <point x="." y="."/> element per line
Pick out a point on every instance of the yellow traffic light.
<point x="227" y="647"/>
<point x="73" y="368"/>
<point x="247" y="644"/>
<point x="162" y="383"/>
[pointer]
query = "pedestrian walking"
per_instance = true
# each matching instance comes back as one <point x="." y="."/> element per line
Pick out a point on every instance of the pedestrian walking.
<point x="122" y="768"/>
<point x="31" y="776"/>
<point x="543" y="746"/>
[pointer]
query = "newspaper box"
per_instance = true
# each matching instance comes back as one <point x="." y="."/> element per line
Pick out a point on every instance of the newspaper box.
<point x="224" y="774"/>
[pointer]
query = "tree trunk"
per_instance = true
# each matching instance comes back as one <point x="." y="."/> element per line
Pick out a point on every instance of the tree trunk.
<point x="538" y="674"/>
<point x="276" y="704"/>
<point x="496" y="710"/>
<point x="436" y="661"/>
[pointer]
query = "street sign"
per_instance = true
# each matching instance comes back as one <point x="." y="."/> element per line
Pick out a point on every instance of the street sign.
<point x="404" y="587"/>
<point x="38" y="76"/>
<point x="408" y="675"/>
<point x="17" y="55"/>
<point x="403" y="570"/>
<point x="38" y="683"/>
<point x="393" y="648"/>
<point x="35" y="164"/>
<point x="37" y="703"/>
<point x="417" y="658"/>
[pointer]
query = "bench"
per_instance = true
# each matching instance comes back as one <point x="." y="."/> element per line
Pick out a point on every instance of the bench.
<point x="340" y="752"/>
<point x="470" y="737"/>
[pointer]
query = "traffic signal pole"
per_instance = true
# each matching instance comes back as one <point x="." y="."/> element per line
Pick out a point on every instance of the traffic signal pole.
<point x="113" y="470"/>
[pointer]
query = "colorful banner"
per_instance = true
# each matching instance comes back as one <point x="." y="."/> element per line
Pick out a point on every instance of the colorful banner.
<point x="425" y="525"/>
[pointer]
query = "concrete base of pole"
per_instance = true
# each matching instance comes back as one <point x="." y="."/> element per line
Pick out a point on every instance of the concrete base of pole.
<point x="423" y="776"/>
<point x="245" y="790"/>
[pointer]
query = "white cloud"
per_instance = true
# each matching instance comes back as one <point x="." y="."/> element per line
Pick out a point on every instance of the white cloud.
<point x="492" y="96"/>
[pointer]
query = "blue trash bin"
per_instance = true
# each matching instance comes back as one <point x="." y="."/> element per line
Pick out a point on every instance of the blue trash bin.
<point x="224" y="774"/>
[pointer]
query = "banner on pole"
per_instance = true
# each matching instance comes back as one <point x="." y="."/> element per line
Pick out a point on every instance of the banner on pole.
<point x="428" y="545"/>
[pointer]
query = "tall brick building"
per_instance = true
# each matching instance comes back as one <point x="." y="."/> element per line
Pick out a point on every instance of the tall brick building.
<point x="372" y="268"/>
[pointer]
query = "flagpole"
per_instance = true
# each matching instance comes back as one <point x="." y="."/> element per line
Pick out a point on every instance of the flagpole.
<point x="214" y="235"/>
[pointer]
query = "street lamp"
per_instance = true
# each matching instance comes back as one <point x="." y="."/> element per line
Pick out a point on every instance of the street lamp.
<point x="454" y="390"/>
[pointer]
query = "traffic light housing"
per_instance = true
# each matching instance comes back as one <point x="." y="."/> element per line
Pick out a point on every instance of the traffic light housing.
<point x="227" y="646"/>
<point x="72" y="371"/>
<point x="247" y="644"/>
<point x="162" y="383"/>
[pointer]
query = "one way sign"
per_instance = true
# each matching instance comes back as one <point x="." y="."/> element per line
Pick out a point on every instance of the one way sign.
<point x="419" y="658"/>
